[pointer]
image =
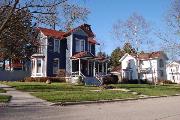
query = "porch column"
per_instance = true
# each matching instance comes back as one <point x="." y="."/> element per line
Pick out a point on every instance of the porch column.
<point x="106" y="68"/>
<point x="88" y="67"/>
<point x="103" y="68"/>
<point x="94" y="70"/>
<point x="35" y="63"/>
<point x="98" y="68"/>
<point x="79" y="66"/>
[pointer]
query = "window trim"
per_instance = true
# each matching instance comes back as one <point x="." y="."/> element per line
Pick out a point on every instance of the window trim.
<point x="53" y="65"/>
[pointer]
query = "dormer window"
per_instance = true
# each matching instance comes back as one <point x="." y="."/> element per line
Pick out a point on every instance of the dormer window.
<point x="80" y="45"/>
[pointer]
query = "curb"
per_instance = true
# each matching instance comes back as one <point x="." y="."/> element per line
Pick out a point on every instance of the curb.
<point x="109" y="101"/>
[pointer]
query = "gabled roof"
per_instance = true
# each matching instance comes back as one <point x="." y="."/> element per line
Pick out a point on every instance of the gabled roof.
<point x="152" y="55"/>
<point x="146" y="56"/>
<point x="60" y="34"/>
<point x="85" y="27"/>
<point x="125" y="55"/>
<point x="51" y="33"/>
<point x="173" y="63"/>
<point x="84" y="54"/>
<point x="91" y="40"/>
<point x="116" y="69"/>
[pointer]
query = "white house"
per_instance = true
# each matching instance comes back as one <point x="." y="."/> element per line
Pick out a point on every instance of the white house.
<point x="150" y="66"/>
<point x="173" y="71"/>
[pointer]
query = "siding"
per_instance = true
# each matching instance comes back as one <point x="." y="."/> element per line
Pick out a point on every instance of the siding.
<point x="51" y="55"/>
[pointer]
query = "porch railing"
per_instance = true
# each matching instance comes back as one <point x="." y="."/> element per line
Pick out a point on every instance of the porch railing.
<point x="78" y="73"/>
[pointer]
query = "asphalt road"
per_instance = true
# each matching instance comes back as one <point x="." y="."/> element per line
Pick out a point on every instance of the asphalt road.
<point x="151" y="109"/>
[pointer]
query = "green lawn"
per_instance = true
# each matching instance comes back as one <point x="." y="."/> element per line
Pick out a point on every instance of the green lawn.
<point x="63" y="92"/>
<point x="2" y="90"/>
<point x="74" y="96"/>
<point x="152" y="90"/>
<point x="43" y="87"/>
<point x="4" y="98"/>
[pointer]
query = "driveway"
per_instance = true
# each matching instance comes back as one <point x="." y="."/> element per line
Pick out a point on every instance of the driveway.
<point x="149" y="109"/>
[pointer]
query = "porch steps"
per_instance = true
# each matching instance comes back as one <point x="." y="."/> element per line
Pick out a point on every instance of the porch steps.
<point x="92" y="81"/>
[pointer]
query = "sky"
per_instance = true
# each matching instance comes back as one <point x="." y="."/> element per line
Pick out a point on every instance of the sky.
<point x="104" y="13"/>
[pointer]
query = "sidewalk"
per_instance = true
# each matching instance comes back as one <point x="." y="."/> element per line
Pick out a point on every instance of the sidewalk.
<point x="23" y="98"/>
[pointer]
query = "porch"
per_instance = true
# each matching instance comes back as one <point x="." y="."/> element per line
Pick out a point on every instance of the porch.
<point x="88" y="65"/>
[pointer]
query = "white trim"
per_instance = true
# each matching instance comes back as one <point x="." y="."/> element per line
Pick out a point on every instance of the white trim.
<point x="79" y="66"/>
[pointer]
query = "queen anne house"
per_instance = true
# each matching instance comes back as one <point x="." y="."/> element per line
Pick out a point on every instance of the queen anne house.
<point x="173" y="71"/>
<point x="72" y="52"/>
<point x="148" y="66"/>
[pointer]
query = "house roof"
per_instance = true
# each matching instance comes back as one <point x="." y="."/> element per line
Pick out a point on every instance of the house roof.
<point x="152" y="55"/>
<point x="60" y="34"/>
<point x="51" y="33"/>
<point x="116" y="69"/>
<point x="91" y="40"/>
<point x="146" y="56"/>
<point x="85" y="27"/>
<point x="82" y="55"/>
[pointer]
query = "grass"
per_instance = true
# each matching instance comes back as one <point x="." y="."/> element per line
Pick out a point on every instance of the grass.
<point x="75" y="96"/>
<point x="63" y="92"/>
<point x="43" y="87"/>
<point x="4" y="98"/>
<point x="152" y="90"/>
<point x="2" y="90"/>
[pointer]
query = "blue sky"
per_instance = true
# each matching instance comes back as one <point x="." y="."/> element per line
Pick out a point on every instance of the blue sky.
<point x="104" y="13"/>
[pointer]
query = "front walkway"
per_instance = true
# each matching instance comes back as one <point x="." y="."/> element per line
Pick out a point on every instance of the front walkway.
<point x="22" y="98"/>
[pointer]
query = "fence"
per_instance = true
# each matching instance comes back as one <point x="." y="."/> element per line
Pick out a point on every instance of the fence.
<point x="14" y="75"/>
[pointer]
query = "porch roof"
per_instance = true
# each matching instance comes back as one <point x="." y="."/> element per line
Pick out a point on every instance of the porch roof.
<point x="85" y="54"/>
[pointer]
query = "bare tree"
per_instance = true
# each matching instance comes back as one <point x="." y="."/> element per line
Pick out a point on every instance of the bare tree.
<point x="134" y="30"/>
<point x="171" y="36"/>
<point x="19" y="18"/>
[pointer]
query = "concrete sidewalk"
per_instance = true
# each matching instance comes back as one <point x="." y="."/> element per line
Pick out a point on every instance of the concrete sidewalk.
<point x="23" y="98"/>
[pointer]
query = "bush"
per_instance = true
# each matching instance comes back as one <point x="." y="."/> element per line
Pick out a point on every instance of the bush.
<point x="135" y="81"/>
<point x="165" y="82"/>
<point x="44" y="79"/>
<point x="110" y="79"/>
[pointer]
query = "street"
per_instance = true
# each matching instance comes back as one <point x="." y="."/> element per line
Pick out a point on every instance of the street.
<point x="150" y="109"/>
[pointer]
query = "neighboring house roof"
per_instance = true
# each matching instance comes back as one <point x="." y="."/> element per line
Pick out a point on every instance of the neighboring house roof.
<point x="82" y="55"/>
<point x="172" y="63"/>
<point x="146" y="56"/>
<point x="116" y="69"/>
<point x="152" y="55"/>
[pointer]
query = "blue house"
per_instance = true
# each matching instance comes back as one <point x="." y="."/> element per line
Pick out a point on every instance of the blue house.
<point x="72" y="53"/>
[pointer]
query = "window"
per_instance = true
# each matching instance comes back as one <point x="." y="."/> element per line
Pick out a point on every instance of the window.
<point x="38" y="66"/>
<point x="161" y="63"/>
<point x="161" y="73"/>
<point x="89" y="47"/>
<point x="80" y="45"/>
<point x="56" y="45"/>
<point x="55" y="65"/>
